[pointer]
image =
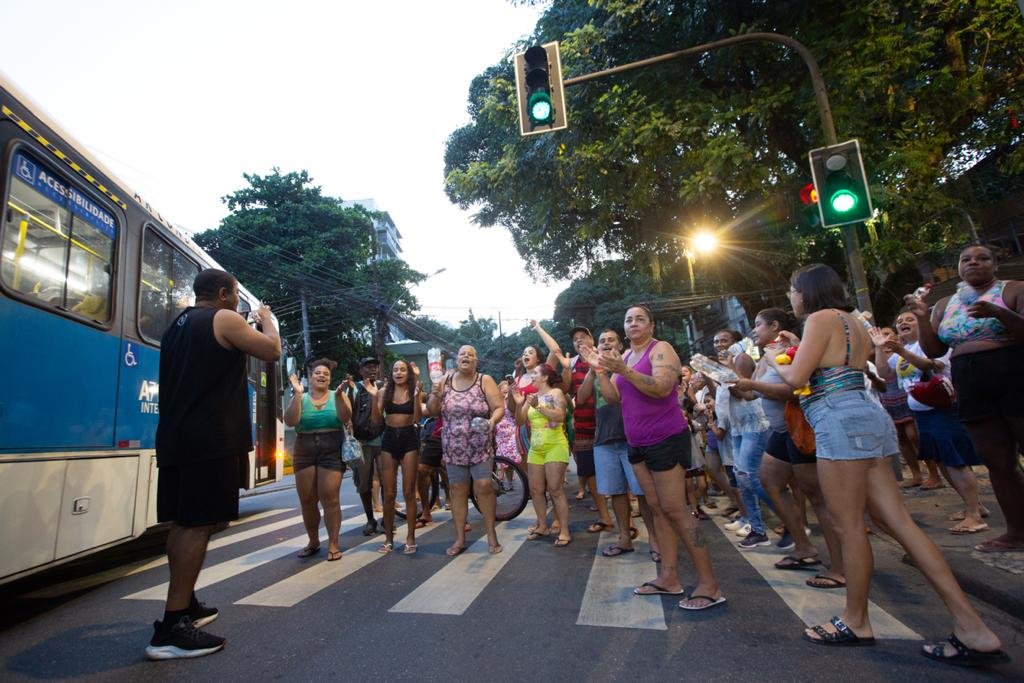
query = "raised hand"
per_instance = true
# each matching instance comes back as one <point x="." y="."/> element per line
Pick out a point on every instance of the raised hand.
<point x="517" y="397"/>
<point x="370" y="386"/>
<point x="916" y="305"/>
<point x="296" y="384"/>
<point x="877" y="338"/>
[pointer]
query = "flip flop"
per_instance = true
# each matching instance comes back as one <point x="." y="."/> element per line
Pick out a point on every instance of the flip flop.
<point x="599" y="526"/>
<point x="825" y="582"/>
<point x="537" y="535"/>
<point x="933" y="486"/>
<point x="420" y="523"/>
<point x="964" y="656"/>
<point x="961" y="516"/>
<point x="386" y="548"/>
<point x="965" y="530"/>
<point x="658" y="590"/>
<point x="409" y="549"/>
<point x="454" y="552"/>
<point x="616" y="550"/>
<point x="494" y="549"/>
<point x="711" y="602"/>
<point x="308" y="551"/>
<point x="561" y="542"/>
<point x="333" y="555"/>
<point x="997" y="546"/>
<point x="789" y="562"/>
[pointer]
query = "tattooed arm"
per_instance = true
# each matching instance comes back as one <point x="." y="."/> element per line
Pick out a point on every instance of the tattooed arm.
<point x="665" y="369"/>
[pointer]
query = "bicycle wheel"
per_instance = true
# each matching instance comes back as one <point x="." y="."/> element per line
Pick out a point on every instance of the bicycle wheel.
<point x="511" y="489"/>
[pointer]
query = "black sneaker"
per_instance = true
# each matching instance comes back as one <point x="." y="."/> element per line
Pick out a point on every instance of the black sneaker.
<point x="200" y="614"/>
<point x="182" y="640"/>
<point x="754" y="540"/>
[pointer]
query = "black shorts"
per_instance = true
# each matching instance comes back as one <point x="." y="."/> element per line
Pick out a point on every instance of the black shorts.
<point x="781" y="447"/>
<point x="400" y="440"/>
<point x="198" y="494"/>
<point x="664" y="455"/>
<point x="322" y="449"/>
<point x="430" y="453"/>
<point x="989" y="383"/>
<point x="585" y="462"/>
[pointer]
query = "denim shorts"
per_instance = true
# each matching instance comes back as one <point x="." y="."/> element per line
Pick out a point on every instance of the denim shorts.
<point x="850" y="426"/>
<point x="464" y="474"/>
<point x="614" y="473"/>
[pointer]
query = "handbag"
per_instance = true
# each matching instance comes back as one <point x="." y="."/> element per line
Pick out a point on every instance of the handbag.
<point x="351" y="450"/>
<point x="934" y="391"/>
<point x="800" y="430"/>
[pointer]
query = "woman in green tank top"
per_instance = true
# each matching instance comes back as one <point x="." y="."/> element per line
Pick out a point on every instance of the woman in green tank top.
<point x="318" y="417"/>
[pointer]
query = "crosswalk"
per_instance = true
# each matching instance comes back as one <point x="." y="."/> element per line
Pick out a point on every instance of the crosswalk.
<point x="607" y="599"/>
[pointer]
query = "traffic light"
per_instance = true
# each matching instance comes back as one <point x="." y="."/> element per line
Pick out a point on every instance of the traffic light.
<point x="842" y="184"/>
<point x="539" y="89"/>
<point x="809" y="198"/>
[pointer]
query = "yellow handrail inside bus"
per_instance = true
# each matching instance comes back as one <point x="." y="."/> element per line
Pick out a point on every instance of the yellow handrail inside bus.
<point x="54" y="230"/>
<point x="19" y="251"/>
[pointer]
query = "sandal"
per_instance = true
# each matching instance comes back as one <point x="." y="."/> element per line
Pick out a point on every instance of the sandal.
<point x="964" y="656"/>
<point x="599" y="526"/>
<point x="494" y="549"/>
<point x="561" y="542"/>
<point x="963" y="530"/>
<point x="655" y="556"/>
<point x="409" y="549"/>
<point x="616" y="550"/>
<point x="386" y="548"/>
<point x="841" y="636"/>
<point x="453" y="551"/>
<point x="536" y="535"/>
<point x="790" y="562"/>
<point x="996" y="545"/>
<point x="420" y="523"/>
<point x="308" y="551"/>
<point x="825" y="582"/>
<point x="333" y="555"/>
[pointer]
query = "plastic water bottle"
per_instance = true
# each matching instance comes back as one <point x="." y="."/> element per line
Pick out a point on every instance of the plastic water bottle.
<point x="922" y="291"/>
<point x="434" y="367"/>
<point x="864" y="319"/>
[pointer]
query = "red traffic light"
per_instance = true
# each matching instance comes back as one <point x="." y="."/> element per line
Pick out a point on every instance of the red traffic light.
<point x="808" y="195"/>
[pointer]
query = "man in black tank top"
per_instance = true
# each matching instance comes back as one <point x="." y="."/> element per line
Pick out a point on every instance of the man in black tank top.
<point x="204" y="431"/>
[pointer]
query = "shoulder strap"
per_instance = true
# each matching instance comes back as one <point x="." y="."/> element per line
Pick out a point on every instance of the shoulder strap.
<point x="846" y="330"/>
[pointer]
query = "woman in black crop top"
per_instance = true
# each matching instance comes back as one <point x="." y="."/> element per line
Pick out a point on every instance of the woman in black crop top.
<point x="399" y="404"/>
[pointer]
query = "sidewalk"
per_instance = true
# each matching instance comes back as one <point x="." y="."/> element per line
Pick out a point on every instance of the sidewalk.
<point x="995" y="578"/>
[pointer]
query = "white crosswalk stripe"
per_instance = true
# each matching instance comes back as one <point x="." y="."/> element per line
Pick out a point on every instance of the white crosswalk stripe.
<point x="609" y="599"/>
<point x="815" y="606"/>
<point x="454" y="588"/>
<point x="234" y="567"/>
<point x="302" y="585"/>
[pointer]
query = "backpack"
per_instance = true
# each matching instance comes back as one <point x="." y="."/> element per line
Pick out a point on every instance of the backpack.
<point x="363" y="427"/>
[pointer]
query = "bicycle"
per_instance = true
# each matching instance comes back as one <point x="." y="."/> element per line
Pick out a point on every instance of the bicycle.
<point x="510" y="497"/>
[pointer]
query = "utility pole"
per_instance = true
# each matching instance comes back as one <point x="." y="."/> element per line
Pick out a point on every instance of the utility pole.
<point x="307" y="344"/>
<point x="850" y="239"/>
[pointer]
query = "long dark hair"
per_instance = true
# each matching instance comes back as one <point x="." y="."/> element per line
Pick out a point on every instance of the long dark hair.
<point x="389" y="388"/>
<point x="820" y="288"/>
<point x="785" y="319"/>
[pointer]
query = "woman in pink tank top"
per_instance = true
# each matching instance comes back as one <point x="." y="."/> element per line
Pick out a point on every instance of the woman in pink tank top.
<point x="659" y="451"/>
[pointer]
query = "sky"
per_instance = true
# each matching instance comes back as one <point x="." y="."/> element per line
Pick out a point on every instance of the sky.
<point x="180" y="99"/>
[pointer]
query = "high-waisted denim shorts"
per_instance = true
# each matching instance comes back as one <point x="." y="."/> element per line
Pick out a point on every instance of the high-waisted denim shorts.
<point x="850" y="426"/>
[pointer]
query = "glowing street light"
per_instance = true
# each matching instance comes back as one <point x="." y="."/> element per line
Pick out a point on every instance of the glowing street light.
<point x="705" y="242"/>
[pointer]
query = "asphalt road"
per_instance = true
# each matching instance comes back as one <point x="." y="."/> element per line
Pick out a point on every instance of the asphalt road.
<point x="533" y="612"/>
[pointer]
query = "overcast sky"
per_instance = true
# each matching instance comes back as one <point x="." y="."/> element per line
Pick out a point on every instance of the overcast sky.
<point x="180" y="99"/>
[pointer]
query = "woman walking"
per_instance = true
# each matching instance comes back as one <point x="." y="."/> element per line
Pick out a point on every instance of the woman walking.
<point x="853" y="444"/>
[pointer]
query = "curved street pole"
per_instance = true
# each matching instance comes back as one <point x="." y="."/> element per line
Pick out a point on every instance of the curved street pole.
<point x="850" y="240"/>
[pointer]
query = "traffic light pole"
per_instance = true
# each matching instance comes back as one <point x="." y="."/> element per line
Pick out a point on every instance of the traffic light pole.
<point x="850" y="240"/>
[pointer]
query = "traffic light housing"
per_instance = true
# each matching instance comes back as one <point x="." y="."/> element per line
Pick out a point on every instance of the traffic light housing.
<point x="539" y="90"/>
<point x="841" y="183"/>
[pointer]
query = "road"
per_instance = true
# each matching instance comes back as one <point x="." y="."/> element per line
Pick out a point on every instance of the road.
<point x="532" y="612"/>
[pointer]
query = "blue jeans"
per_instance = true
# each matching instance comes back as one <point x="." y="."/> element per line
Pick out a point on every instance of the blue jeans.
<point x="748" y="450"/>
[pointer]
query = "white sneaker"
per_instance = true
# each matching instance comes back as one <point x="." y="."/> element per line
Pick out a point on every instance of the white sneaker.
<point x="743" y="531"/>
<point x="735" y="524"/>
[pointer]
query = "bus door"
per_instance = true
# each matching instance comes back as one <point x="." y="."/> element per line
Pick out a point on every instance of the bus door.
<point x="266" y="423"/>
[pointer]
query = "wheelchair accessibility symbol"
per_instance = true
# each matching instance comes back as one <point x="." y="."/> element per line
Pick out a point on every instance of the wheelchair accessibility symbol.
<point x="129" y="357"/>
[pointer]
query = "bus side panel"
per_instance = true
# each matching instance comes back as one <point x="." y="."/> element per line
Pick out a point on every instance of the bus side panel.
<point x="138" y="395"/>
<point x="44" y="360"/>
<point x="98" y="505"/>
<point x="32" y="492"/>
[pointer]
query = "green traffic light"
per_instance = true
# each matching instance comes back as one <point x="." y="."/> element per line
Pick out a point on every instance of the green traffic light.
<point x="843" y="201"/>
<point x="540" y="107"/>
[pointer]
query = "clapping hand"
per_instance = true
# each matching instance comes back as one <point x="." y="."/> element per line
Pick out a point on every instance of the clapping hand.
<point x="517" y="397"/>
<point x="915" y="305"/>
<point x="611" y="361"/>
<point x="296" y="384"/>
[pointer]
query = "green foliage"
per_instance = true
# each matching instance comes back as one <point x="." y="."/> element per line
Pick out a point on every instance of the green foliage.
<point x="722" y="139"/>
<point x="284" y="240"/>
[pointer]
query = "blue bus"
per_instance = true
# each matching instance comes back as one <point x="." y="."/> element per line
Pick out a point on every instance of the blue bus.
<point x="90" y="276"/>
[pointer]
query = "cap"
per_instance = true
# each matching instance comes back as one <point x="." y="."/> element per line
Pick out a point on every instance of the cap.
<point x="580" y="328"/>
<point x="368" y="360"/>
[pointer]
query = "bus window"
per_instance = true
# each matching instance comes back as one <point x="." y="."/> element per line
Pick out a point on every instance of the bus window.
<point x="166" y="287"/>
<point x="57" y="243"/>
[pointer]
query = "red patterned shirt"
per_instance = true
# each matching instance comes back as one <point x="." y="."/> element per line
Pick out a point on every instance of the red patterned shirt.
<point x="584" y="414"/>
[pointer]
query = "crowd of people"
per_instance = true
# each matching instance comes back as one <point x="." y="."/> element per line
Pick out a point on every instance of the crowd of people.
<point x="822" y="408"/>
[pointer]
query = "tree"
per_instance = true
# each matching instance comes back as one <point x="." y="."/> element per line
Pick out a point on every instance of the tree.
<point x="299" y="250"/>
<point x="722" y="139"/>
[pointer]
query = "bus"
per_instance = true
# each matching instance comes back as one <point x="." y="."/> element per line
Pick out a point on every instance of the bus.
<point x="90" y="277"/>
